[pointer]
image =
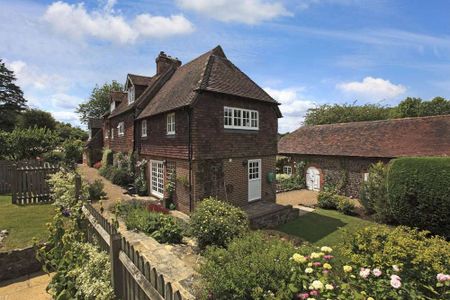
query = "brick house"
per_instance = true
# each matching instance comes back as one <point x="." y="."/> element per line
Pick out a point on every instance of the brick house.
<point x="204" y="125"/>
<point x="342" y="153"/>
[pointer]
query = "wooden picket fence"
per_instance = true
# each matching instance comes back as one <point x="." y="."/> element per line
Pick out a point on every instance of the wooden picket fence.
<point x="132" y="276"/>
<point x="29" y="182"/>
<point x="5" y="176"/>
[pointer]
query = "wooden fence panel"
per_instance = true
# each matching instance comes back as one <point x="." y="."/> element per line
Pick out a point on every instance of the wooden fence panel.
<point x="5" y="176"/>
<point x="133" y="277"/>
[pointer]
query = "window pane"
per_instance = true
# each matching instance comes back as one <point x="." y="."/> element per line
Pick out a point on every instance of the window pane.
<point x="237" y="117"/>
<point x="254" y="119"/>
<point x="246" y="118"/>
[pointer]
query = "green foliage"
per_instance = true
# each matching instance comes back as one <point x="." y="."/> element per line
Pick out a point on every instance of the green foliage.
<point x="419" y="257"/>
<point x="327" y="200"/>
<point x="80" y="270"/>
<point x="28" y="143"/>
<point x="374" y="193"/>
<point x="345" y="205"/>
<point x="251" y="264"/>
<point x="163" y="228"/>
<point x="120" y="177"/>
<point x="343" y="113"/>
<point x="36" y="118"/>
<point x="107" y="158"/>
<point x="54" y="157"/>
<point x="12" y="101"/>
<point x="419" y="193"/>
<point x="296" y="181"/>
<point x="98" y="103"/>
<point x="215" y="222"/>
<point x="73" y="152"/>
<point x="62" y="189"/>
<point x="140" y="182"/>
<point x="416" y="107"/>
<point x="96" y="191"/>
<point x="66" y="131"/>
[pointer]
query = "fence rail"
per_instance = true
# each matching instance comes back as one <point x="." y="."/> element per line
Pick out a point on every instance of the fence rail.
<point x="132" y="276"/>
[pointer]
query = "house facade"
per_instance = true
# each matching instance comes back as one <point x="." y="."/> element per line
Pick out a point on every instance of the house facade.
<point x="341" y="154"/>
<point x="205" y="127"/>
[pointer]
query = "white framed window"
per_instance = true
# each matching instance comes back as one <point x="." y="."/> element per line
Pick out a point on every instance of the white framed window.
<point x="157" y="178"/>
<point x="171" y="123"/>
<point x="113" y="106"/>
<point x="366" y="176"/>
<point x="112" y="133"/>
<point x="144" y="128"/>
<point x="107" y="134"/>
<point x="239" y="118"/>
<point x="287" y="170"/>
<point x="131" y="95"/>
<point x="121" y="129"/>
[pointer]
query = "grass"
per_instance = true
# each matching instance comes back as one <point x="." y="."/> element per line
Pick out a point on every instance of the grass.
<point x="323" y="227"/>
<point x="23" y="223"/>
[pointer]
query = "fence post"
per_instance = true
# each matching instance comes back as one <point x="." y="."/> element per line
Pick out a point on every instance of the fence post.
<point x="77" y="187"/>
<point x="116" y="265"/>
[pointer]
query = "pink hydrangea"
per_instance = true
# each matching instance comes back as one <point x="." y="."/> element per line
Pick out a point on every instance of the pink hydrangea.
<point x="317" y="264"/>
<point x="328" y="257"/>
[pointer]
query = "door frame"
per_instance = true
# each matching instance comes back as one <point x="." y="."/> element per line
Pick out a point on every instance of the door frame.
<point x="259" y="161"/>
<point x="152" y="192"/>
<point x="316" y="172"/>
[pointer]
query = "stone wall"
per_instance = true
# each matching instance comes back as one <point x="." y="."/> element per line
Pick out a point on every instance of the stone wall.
<point x="18" y="262"/>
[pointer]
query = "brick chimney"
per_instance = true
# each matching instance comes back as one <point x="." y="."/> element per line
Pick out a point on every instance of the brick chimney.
<point x="164" y="61"/>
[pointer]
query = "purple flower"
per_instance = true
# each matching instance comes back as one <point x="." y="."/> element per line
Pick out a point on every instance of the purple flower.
<point x="65" y="212"/>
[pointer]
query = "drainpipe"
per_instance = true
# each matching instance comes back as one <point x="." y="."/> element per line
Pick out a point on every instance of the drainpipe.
<point x="189" y="112"/>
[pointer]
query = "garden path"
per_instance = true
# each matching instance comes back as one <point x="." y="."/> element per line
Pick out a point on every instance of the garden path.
<point x="26" y="287"/>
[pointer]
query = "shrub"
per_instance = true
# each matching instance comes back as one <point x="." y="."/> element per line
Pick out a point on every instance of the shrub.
<point x="120" y="177"/>
<point x="97" y="165"/>
<point x="107" y="157"/>
<point x="168" y="230"/>
<point x="157" y="208"/>
<point x="250" y="264"/>
<point x="281" y="177"/>
<point x="96" y="191"/>
<point x="215" y="222"/>
<point x="327" y="200"/>
<point x="345" y="205"/>
<point x="73" y="152"/>
<point x="62" y="189"/>
<point x="53" y="157"/>
<point x="419" y="193"/>
<point x="419" y="256"/>
<point x="139" y="182"/>
<point x="374" y="193"/>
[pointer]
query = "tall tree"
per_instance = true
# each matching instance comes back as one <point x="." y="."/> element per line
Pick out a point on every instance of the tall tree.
<point x="98" y="103"/>
<point x="12" y="101"/>
<point x="410" y="107"/>
<point x="36" y="118"/>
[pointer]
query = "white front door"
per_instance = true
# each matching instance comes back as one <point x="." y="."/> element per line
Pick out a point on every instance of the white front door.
<point x="313" y="179"/>
<point x="157" y="178"/>
<point x="254" y="179"/>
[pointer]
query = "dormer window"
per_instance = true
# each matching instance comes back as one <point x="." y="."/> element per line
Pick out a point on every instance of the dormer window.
<point x="130" y="94"/>
<point x="113" y="105"/>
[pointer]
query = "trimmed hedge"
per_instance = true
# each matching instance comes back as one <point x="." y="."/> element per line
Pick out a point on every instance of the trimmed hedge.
<point x="419" y="193"/>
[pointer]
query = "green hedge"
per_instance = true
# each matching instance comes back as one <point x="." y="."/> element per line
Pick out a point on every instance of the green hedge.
<point x="419" y="193"/>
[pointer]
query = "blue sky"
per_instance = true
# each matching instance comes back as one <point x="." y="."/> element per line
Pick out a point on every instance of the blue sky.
<point x="303" y="52"/>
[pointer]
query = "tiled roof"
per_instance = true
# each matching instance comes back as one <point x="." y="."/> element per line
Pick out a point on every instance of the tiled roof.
<point x="118" y="96"/>
<point x="424" y="136"/>
<point x="212" y="72"/>
<point x="140" y="80"/>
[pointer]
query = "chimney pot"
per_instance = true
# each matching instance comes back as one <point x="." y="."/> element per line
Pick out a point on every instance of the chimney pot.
<point x="164" y="61"/>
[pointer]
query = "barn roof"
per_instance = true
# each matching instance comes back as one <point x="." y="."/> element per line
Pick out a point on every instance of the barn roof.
<point x="423" y="136"/>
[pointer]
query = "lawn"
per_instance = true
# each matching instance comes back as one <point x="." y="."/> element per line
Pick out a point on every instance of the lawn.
<point x="323" y="227"/>
<point x="23" y="223"/>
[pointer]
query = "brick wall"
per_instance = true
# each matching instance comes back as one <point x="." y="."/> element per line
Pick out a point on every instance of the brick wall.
<point x="158" y="143"/>
<point x="211" y="140"/>
<point x="122" y="143"/>
<point x="332" y="169"/>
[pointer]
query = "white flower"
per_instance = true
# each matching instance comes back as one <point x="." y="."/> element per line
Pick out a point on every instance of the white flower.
<point x="309" y="270"/>
<point x="317" y="285"/>
<point x="364" y="273"/>
<point x="396" y="268"/>
<point x="326" y="249"/>
<point x="329" y="287"/>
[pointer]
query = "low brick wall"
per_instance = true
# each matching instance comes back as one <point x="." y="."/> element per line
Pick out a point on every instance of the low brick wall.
<point x="19" y="262"/>
<point x="274" y="218"/>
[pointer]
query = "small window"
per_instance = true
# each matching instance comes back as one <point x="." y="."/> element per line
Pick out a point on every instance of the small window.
<point x="287" y="170"/>
<point x="107" y="134"/>
<point x="238" y="118"/>
<point x="113" y="106"/>
<point x="131" y="95"/>
<point x="171" y="123"/>
<point x="366" y="176"/>
<point x="144" y="128"/>
<point x="120" y="129"/>
<point x="112" y="133"/>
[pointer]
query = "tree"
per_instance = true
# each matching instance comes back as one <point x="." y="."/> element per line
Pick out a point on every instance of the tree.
<point x="12" y="101"/>
<point x="98" y="103"/>
<point x="66" y="131"/>
<point x="435" y="107"/>
<point x="29" y="143"/>
<point x="36" y="118"/>
<point x="343" y="113"/>
<point x="410" y="107"/>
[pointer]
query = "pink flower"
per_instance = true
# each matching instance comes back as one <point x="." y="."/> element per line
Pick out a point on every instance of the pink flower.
<point x="325" y="272"/>
<point x="442" y="277"/>
<point x="317" y="264"/>
<point x="328" y="257"/>
<point x="314" y="293"/>
<point x="303" y="296"/>
<point x="377" y="272"/>
<point x="364" y="273"/>
<point x="396" y="281"/>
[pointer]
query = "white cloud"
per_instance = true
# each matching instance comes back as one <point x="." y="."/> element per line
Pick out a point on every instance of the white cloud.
<point x="65" y="101"/>
<point x="66" y="116"/>
<point x="293" y="107"/>
<point x="242" y="11"/>
<point x="74" y="20"/>
<point x="371" y="88"/>
<point x="30" y="76"/>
